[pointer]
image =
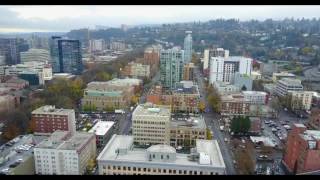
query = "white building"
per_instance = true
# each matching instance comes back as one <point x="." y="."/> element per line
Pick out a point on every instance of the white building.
<point x="96" y="45"/>
<point x="118" y="46"/>
<point x="208" y="53"/>
<point x="65" y="154"/>
<point x="121" y="157"/>
<point x="301" y="99"/>
<point x="43" y="69"/>
<point x="255" y="75"/>
<point x="287" y="84"/>
<point x="224" y="69"/>
<point x="150" y="124"/>
<point x="255" y="97"/>
<point x="38" y="55"/>
<point x="278" y="76"/>
<point x="225" y="88"/>
<point x="103" y="131"/>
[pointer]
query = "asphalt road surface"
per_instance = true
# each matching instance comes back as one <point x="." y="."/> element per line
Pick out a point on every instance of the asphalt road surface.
<point x="211" y="120"/>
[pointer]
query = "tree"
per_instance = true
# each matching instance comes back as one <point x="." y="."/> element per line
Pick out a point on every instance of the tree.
<point x="134" y="100"/>
<point x="240" y="124"/>
<point x="209" y="135"/>
<point x="103" y="76"/>
<point x="275" y="104"/>
<point x="201" y="106"/>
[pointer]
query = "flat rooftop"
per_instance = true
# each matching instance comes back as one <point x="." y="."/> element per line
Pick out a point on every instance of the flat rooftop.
<point x="254" y="93"/>
<point x="63" y="140"/>
<point x="101" y="127"/>
<point x="291" y="81"/>
<point x="151" y="110"/>
<point x="196" y="122"/>
<point x="139" y="155"/>
<point x="52" y="110"/>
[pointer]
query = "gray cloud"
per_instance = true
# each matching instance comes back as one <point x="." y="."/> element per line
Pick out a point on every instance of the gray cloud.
<point x="12" y="18"/>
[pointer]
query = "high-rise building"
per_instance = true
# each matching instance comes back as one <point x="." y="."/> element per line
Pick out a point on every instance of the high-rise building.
<point x="64" y="153"/>
<point x="188" y="47"/>
<point x="224" y="69"/>
<point x="171" y="67"/>
<point x="66" y="55"/>
<point x="49" y="119"/>
<point x="208" y="53"/>
<point x="10" y="50"/>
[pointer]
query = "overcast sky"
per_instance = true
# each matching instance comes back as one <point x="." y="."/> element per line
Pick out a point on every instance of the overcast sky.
<point x="65" y="18"/>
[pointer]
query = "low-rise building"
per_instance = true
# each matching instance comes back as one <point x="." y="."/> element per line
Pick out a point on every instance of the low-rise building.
<point x="314" y="119"/>
<point x="121" y="157"/>
<point x="185" y="97"/>
<point x="15" y="83"/>
<point x="234" y="104"/>
<point x="64" y="153"/>
<point x="225" y="88"/>
<point x="278" y="76"/>
<point x="108" y="95"/>
<point x="285" y="85"/>
<point x="302" y="150"/>
<point x="7" y="103"/>
<point x="160" y="96"/>
<point x="256" y="97"/>
<point x="48" y="119"/>
<point x="103" y="131"/>
<point x="136" y="70"/>
<point x="150" y="124"/>
<point x="301" y="100"/>
<point x="185" y="130"/>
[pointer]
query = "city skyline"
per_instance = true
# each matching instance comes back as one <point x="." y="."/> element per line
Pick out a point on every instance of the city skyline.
<point x="45" y="19"/>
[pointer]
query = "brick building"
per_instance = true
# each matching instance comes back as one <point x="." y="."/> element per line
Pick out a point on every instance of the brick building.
<point x="302" y="150"/>
<point x="234" y="104"/>
<point x="48" y="119"/>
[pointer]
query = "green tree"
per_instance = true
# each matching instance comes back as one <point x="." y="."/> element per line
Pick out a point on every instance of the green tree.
<point x="103" y="76"/>
<point x="240" y="124"/>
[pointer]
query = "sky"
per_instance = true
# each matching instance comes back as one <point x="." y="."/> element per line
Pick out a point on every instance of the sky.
<point x="45" y="18"/>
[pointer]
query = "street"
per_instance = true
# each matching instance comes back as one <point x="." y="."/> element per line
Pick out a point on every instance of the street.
<point x="211" y="120"/>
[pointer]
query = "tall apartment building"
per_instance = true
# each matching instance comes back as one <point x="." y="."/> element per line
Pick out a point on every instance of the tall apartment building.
<point x="187" y="47"/>
<point x="150" y="124"/>
<point x="66" y="56"/>
<point x="38" y="55"/>
<point x="48" y="119"/>
<point x="64" y="153"/>
<point x="224" y="69"/>
<point x="208" y="53"/>
<point x="302" y="150"/>
<point x="188" y="73"/>
<point x="171" y="67"/>
<point x="120" y="157"/>
<point x="301" y="100"/>
<point x="9" y="49"/>
<point x="285" y="85"/>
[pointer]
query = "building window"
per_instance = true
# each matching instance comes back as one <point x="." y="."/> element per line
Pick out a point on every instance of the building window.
<point x="124" y="168"/>
<point x="134" y="168"/>
<point x="129" y="168"/>
<point x="164" y="171"/>
<point x="144" y="169"/>
<point x="174" y="171"/>
<point x="170" y="171"/>
<point x="119" y="168"/>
